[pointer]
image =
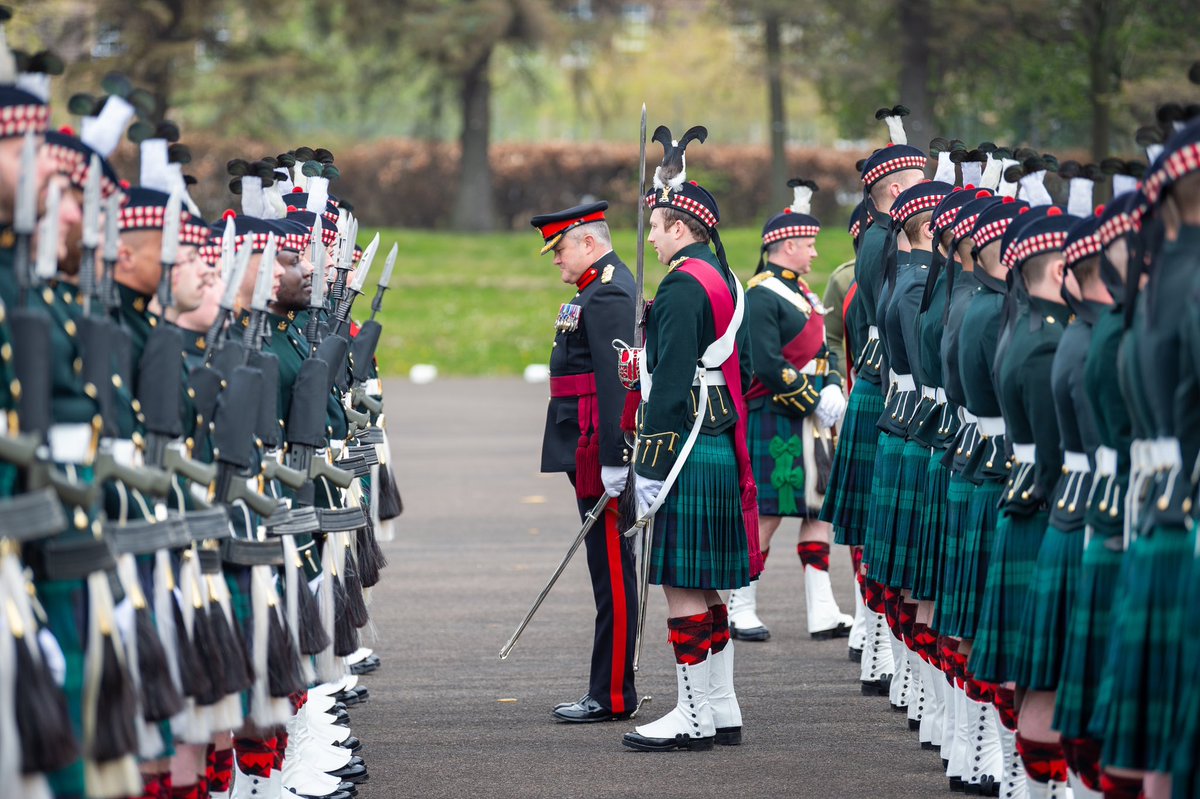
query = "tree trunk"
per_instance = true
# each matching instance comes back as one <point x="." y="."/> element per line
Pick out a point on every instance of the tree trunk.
<point x="474" y="210"/>
<point x="915" y="20"/>
<point x="1101" y="74"/>
<point x="778" y="116"/>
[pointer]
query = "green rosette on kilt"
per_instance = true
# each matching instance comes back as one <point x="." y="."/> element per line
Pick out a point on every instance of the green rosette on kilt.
<point x="1138" y="703"/>
<point x="776" y="444"/>
<point x="947" y="614"/>
<point x="931" y="532"/>
<point x="849" y="498"/>
<point x="882" y="517"/>
<point x="1088" y="631"/>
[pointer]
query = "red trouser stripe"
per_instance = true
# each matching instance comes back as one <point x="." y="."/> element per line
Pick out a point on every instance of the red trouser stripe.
<point x="616" y="578"/>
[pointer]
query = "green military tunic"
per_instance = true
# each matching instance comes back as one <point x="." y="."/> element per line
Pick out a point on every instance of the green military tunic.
<point x="784" y="391"/>
<point x="699" y="533"/>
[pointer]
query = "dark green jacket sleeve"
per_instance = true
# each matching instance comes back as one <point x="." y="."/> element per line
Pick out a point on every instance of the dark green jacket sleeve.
<point x="1036" y="414"/>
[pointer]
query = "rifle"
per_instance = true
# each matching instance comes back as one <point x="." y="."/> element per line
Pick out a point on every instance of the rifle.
<point x="362" y="349"/>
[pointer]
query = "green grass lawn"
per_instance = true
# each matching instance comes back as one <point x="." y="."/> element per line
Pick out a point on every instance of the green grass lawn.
<point x="486" y="304"/>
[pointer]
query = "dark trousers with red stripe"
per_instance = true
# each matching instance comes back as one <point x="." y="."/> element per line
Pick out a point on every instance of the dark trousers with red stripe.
<point x="614" y="585"/>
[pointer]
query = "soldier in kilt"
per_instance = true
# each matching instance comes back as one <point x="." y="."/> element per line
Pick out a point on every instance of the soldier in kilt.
<point x="911" y="219"/>
<point x="1035" y="256"/>
<point x="794" y="402"/>
<point x="691" y="463"/>
<point x="1105" y="431"/>
<point x="850" y="496"/>
<point x="1141" y="709"/>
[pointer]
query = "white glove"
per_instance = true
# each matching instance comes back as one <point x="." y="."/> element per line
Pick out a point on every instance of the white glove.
<point x="831" y="406"/>
<point x="614" y="479"/>
<point x="647" y="491"/>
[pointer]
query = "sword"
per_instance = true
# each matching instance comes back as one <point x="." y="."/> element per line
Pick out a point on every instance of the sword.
<point x="588" y="522"/>
<point x="639" y="340"/>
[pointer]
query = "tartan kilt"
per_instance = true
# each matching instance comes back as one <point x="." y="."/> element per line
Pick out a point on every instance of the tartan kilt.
<point x="65" y="604"/>
<point x="237" y="578"/>
<point x="699" y="535"/>
<point x="764" y="428"/>
<point x="883" y="514"/>
<point x="947" y="614"/>
<point x="979" y="536"/>
<point x="1145" y="652"/>
<point x="912" y="500"/>
<point x="848" y="498"/>
<point x="1088" y="629"/>
<point x="1187" y="751"/>
<point x="1048" y="604"/>
<point x="931" y="534"/>
<point x="998" y="636"/>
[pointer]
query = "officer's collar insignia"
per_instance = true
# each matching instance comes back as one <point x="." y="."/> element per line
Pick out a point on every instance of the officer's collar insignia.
<point x="8" y="239"/>
<point x="282" y="326"/>
<point x="607" y="276"/>
<point x="201" y="343"/>
<point x="139" y="304"/>
<point x="788" y="274"/>
<point x="586" y="278"/>
<point x="568" y="318"/>
<point x="676" y="262"/>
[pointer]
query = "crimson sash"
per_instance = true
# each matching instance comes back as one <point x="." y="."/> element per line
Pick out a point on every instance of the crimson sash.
<point x="722" y="306"/>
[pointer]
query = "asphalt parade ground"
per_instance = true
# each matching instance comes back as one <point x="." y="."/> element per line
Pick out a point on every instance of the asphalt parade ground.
<point x="481" y="532"/>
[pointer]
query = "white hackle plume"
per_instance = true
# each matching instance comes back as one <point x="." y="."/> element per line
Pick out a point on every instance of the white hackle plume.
<point x="103" y="132"/>
<point x="1033" y="189"/>
<point x="1006" y="188"/>
<point x="1080" y="192"/>
<point x="802" y="195"/>
<point x="972" y="172"/>
<point x="945" y="168"/>
<point x="155" y="163"/>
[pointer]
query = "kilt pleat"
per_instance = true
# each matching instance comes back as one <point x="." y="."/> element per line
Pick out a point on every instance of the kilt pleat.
<point x="780" y="478"/>
<point x="1053" y="587"/>
<point x="1010" y="569"/>
<point x="979" y="536"/>
<point x="930" y="544"/>
<point x="884" y="515"/>
<point x="699" y="534"/>
<point x="848" y="497"/>
<point x="911" y="500"/>
<point x="1145" y="653"/>
<point x="1186" y="759"/>
<point x="1088" y="629"/>
<point x="947" y="614"/>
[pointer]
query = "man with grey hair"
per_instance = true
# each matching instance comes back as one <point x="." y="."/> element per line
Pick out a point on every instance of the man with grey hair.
<point x="583" y="438"/>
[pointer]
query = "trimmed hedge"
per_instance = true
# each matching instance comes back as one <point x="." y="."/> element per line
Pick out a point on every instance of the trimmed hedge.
<point x="411" y="183"/>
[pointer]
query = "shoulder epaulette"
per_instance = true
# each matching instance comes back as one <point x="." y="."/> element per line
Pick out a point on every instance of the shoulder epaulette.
<point x="758" y="279"/>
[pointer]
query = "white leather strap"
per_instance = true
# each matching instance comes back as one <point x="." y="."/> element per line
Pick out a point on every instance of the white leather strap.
<point x="1106" y="461"/>
<point x="1076" y="462"/>
<point x="715" y="378"/>
<point x="70" y="443"/>
<point x="992" y="426"/>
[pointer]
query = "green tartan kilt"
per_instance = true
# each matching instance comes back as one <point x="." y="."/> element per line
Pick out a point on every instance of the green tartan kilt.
<point x="980" y="534"/>
<point x="65" y="603"/>
<point x="1048" y="605"/>
<point x="237" y="578"/>
<point x="998" y="636"/>
<point x="699" y="533"/>
<point x="1088" y="629"/>
<point x="1187" y="752"/>
<point x="948" y="611"/>
<point x="912" y="498"/>
<point x="931" y="534"/>
<point x="879" y="545"/>
<point x="781" y="479"/>
<point x="1140" y="703"/>
<point x="848" y="498"/>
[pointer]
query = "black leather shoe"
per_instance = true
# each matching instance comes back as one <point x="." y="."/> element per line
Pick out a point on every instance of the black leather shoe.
<point x="841" y="631"/>
<point x="347" y="698"/>
<point x="750" y="634"/>
<point x="880" y="687"/>
<point x="355" y="773"/>
<point x="351" y="743"/>
<point x="643" y="744"/>
<point x="585" y="711"/>
<point x="366" y="665"/>
<point x="581" y="700"/>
